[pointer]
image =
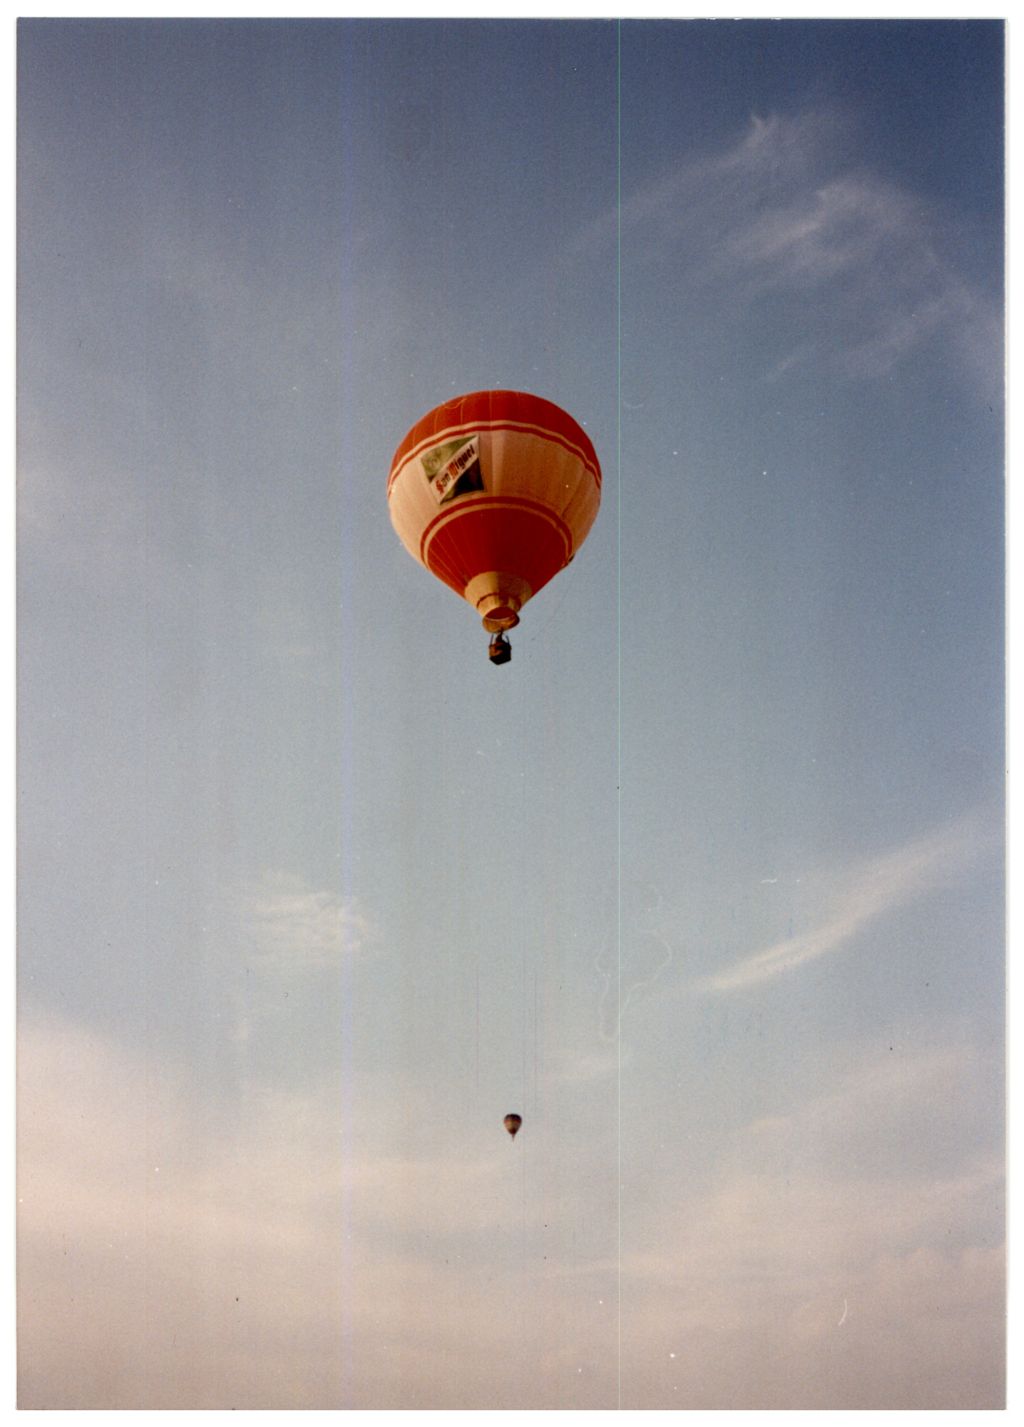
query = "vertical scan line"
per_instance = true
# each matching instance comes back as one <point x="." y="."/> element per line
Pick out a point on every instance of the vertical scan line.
<point x="525" y="1035"/>
<point x="618" y="688"/>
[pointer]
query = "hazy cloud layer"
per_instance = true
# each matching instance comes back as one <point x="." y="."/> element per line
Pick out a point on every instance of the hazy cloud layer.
<point x="166" y="1263"/>
<point x="813" y="1275"/>
<point x="295" y="1260"/>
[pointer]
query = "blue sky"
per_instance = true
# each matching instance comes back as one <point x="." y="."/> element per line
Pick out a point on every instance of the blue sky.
<point x="707" y="883"/>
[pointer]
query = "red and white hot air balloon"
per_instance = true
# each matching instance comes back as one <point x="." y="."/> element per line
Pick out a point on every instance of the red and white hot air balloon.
<point x="494" y="493"/>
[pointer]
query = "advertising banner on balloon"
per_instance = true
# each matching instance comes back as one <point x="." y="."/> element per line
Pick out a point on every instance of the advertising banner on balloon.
<point x="454" y="467"/>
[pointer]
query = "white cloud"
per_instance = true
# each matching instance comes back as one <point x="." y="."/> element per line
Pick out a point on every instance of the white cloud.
<point x="849" y="258"/>
<point x="861" y="895"/>
<point x="291" y="926"/>
<point x="816" y="236"/>
<point x="577" y="1066"/>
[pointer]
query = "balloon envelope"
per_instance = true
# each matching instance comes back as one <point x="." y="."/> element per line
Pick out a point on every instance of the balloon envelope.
<point x="512" y="1123"/>
<point x="494" y="492"/>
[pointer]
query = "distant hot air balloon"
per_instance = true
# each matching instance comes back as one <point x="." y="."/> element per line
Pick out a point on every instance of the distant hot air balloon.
<point x="512" y="1123"/>
<point x="494" y="492"/>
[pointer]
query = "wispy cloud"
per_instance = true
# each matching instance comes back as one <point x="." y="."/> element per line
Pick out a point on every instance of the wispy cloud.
<point x="849" y="258"/>
<point x="291" y="926"/>
<point x="635" y="954"/>
<point x="860" y="896"/>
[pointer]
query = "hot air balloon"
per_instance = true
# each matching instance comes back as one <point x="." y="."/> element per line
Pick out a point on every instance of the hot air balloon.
<point x="512" y="1123"/>
<point x="494" y="492"/>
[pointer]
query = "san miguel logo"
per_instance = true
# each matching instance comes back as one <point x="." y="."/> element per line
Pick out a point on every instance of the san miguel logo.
<point x="454" y="468"/>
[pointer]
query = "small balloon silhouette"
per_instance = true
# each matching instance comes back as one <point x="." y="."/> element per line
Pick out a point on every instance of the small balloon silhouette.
<point x="512" y="1123"/>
